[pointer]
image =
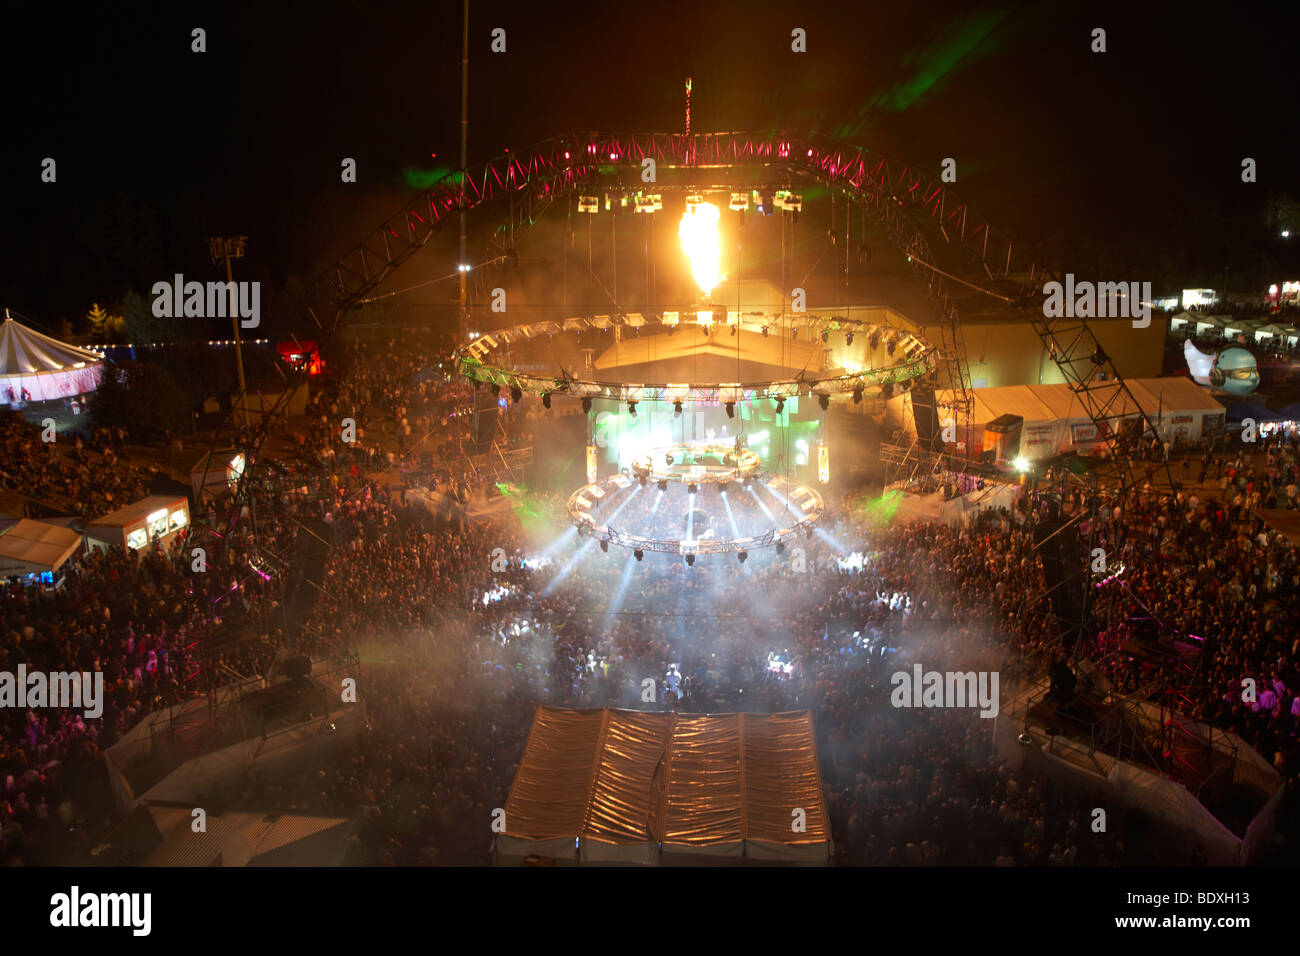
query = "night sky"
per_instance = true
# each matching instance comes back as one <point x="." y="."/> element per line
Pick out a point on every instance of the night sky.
<point x="1128" y="160"/>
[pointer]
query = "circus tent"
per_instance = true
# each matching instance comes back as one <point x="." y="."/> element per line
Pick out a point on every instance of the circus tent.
<point x="38" y="368"/>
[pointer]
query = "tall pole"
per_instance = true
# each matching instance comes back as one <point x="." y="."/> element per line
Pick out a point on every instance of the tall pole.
<point x="463" y="321"/>
<point x="239" y="348"/>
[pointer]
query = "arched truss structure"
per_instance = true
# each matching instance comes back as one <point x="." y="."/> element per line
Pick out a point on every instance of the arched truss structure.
<point x="478" y="361"/>
<point x="948" y="246"/>
<point x="806" y="508"/>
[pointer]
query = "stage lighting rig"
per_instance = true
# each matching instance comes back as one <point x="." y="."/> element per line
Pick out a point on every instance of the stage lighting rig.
<point x="604" y="545"/>
<point x="631" y="409"/>
<point x="731" y="409"/>
<point x="742" y="555"/>
<point x="546" y="400"/>
<point x="589" y="204"/>
<point x="692" y="487"/>
<point x="857" y="395"/>
<point x="780" y="405"/>
<point x="848" y="338"/>
<point x="690" y="560"/>
<point x="516" y="395"/>
<point x="677" y="409"/>
<point x="874" y="339"/>
<point x="824" y="401"/>
<point x="586" y="403"/>
<point x="638" y="554"/>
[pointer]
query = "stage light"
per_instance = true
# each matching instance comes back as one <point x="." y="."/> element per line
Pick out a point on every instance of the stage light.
<point x="589" y="204"/>
<point x="780" y="547"/>
<point x="631" y="409"/>
<point x="692" y="487"/>
<point x="848" y="338"/>
<point x="663" y="484"/>
<point x="546" y="400"/>
<point x="794" y="333"/>
<point x="1100" y="357"/>
<point x="733" y="330"/>
<point x="857" y="395"/>
<point x="742" y="555"/>
<point x="731" y="409"/>
<point x="739" y="202"/>
<point x="586" y="404"/>
<point x="826" y="335"/>
<point x="824" y="401"/>
<point x="874" y="340"/>
<point x="765" y="331"/>
<point x="604" y="546"/>
<point x="516" y="395"/>
<point x="638" y="554"/>
<point x="780" y="405"/>
<point x="677" y="409"/>
<point x="892" y="346"/>
<point x="690" y="560"/>
<point x="1021" y="463"/>
<point x="668" y="460"/>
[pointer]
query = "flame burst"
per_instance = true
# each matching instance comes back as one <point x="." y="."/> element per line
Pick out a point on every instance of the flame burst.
<point x="699" y="235"/>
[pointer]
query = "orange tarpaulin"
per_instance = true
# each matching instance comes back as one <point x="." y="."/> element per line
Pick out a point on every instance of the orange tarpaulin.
<point x="625" y="786"/>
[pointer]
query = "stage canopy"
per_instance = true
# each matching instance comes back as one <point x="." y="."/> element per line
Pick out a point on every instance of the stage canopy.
<point x="614" y="786"/>
<point x="37" y="368"/>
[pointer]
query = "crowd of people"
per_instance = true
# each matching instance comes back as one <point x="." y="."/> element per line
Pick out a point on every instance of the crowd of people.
<point x="462" y="628"/>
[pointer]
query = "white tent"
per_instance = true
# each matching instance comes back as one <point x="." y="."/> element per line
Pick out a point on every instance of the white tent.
<point x="34" y="547"/>
<point x="37" y="368"/>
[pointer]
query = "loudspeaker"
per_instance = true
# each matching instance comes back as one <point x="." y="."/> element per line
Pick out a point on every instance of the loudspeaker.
<point x="485" y="418"/>
<point x="925" y="410"/>
<point x="1057" y="541"/>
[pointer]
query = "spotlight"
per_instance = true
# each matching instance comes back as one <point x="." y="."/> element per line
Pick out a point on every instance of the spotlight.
<point x="631" y="409"/>
<point x="848" y="338"/>
<point x="892" y="346"/>
<point x="874" y="339"/>
<point x="546" y="400"/>
<point x="1100" y="357"/>
<point x="780" y="405"/>
<point x="692" y="487"/>
<point x="586" y="404"/>
<point x="516" y="395"/>
<point x="765" y="331"/>
<point x="733" y="330"/>
<point x="743" y="555"/>
<point x="690" y="560"/>
<point x="857" y="395"/>
<point x="677" y="408"/>
<point x="731" y="409"/>
<point x="794" y="333"/>
<point x="663" y="484"/>
<point x="780" y="547"/>
<point x="638" y="554"/>
<point x="668" y="460"/>
<point x="604" y="546"/>
<point x="672" y="329"/>
<point x="824" y="401"/>
<point x="826" y="335"/>
<point x="723" y="486"/>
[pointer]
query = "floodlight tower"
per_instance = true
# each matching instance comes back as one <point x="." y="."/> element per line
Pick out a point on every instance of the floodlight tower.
<point x="232" y="248"/>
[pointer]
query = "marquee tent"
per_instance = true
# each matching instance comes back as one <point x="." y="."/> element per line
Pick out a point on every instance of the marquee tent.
<point x="37" y="368"/>
<point x="35" y="547"/>
<point x="615" y="786"/>
<point x="1055" y="420"/>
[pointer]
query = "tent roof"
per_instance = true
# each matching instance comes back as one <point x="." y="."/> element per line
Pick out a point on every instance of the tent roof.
<point x="1057" y="402"/>
<point x="138" y="510"/>
<point x="37" y="543"/>
<point x="1172" y="394"/>
<point x="628" y="778"/>
<point x="24" y="351"/>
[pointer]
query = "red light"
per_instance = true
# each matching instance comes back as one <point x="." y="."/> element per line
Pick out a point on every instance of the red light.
<point x="613" y="155"/>
<point x="566" y="154"/>
<point x="810" y="152"/>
